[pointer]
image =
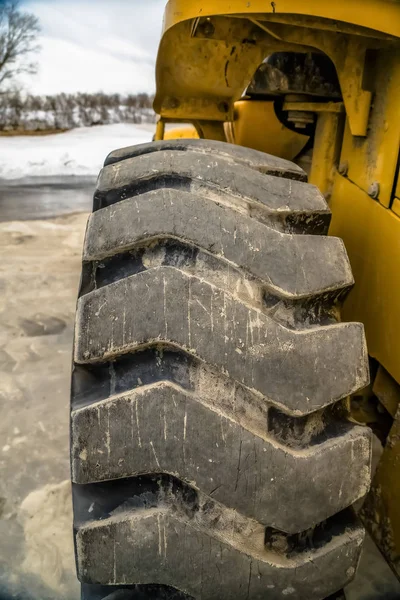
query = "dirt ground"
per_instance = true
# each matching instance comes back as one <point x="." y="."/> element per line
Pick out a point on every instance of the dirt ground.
<point x="39" y="276"/>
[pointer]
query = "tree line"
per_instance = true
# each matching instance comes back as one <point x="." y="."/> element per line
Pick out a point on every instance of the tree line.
<point x="66" y="111"/>
<point x="18" y="43"/>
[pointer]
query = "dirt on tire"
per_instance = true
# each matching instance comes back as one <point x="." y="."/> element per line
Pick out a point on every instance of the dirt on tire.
<point x="209" y="457"/>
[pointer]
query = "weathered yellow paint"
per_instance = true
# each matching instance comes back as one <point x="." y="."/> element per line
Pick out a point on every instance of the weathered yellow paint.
<point x="256" y="126"/>
<point x="160" y="129"/>
<point x="381" y="16"/>
<point x="210" y="130"/>
<point x="251" y="120"/>
<point x="371" y="234"/>
<point x="374" y="158"/>
<point x="315" y="107"/>
<point x="208" y="53"/>
<point x="199" y="78"/>
<point x="326" y="152"/>
<point x="184" y="132"/>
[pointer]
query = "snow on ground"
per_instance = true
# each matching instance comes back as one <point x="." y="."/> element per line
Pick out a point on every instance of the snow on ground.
<point x="77" y="152"/>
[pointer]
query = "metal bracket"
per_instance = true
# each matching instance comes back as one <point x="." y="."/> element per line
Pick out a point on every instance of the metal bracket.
<point x="315" y="107"/>
<point x="349" y="64"/>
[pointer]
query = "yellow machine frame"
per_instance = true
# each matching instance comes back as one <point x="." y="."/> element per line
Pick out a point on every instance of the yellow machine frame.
<point x="209" y="51"/>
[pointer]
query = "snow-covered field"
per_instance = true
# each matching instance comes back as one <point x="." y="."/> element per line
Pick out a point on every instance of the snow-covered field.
<point x="77" y="152"/>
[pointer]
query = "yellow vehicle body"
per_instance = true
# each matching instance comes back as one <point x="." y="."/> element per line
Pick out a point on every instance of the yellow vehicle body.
<point x="209" y="52"/>
<point x="179" y="133"/>
<point x="249" y="119"/>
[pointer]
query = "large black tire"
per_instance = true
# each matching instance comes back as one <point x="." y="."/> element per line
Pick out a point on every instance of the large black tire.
<point x="209" y="459"/>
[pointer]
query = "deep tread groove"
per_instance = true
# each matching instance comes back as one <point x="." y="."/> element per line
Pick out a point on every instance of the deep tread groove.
<point x="112" y="438"/>
<point x="254" y="349"/>
<point x="299" y="223"/>
<point x="190" y="240"/>
<point x="165" y="505"/>
<point x="93" y="383"/>
<point x="264" y="197"/>
<point x="288" y="265"/>
<point x="103" y="500"/>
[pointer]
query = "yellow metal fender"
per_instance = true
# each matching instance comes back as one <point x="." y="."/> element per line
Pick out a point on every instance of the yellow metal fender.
<point x="380" y="16"/>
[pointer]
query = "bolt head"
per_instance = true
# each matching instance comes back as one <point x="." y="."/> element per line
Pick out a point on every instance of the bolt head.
<point x="373" y="190"/>
<point x="171" y="103"/>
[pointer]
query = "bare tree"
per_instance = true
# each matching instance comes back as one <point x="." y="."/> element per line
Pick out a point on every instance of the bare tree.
<point x="18" y="35"/>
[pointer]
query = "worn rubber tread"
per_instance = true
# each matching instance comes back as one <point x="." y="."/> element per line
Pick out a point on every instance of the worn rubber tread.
<point x="272" y="196"/>
<point x="236" y="475"/>
<point x="116" y="441"/>
<point x="136" y="592"/>
<point x="283" y="365"/>
<point x="141" y="546"/>
<point x="259" y="161"/>
<point x="292" y="266"/>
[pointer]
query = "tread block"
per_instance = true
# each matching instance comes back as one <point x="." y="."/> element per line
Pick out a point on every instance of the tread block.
<point x="259" y="161"/>
<point x="292" y="266"/>
<point x="209" y="552"/>
<point x="156" y="429"/>
<point x="166" y="306"/>
<point x="219" y="177"/>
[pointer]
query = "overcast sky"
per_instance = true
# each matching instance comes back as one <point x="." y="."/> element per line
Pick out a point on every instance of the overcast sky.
<point x="96" y="45"/>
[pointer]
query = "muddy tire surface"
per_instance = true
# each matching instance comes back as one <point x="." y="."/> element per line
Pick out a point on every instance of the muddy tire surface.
<point x="210" y="459"/>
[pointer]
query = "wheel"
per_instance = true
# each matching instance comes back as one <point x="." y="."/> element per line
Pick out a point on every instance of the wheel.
<point x="209" y="457"/>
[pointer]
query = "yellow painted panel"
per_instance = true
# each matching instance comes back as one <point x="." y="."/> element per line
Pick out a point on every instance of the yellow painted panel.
<point x="176" y="133"/>
<point x="373" y="159"/>
<point x="257" y="126"/>
<point x="371" y="234"/>
<point x="199" y="78"/>
<point x="381" y="15"/>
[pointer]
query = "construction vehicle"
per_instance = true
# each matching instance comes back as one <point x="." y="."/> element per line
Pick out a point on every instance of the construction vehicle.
<point x="223" y="397"/>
